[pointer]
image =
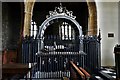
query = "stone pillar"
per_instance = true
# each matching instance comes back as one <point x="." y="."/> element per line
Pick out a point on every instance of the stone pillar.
<point x="92" y="20"/>
<point x="29" y="4"/>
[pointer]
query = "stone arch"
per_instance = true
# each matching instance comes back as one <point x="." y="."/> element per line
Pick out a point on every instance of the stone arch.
<point x="92" y="20"/>
<point x="92" y="23"/>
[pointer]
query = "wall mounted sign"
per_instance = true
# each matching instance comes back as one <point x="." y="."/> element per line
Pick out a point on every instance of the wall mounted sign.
<point x="110" y="34"/>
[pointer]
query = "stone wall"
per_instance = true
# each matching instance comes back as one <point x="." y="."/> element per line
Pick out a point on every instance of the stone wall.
<point x="11" y="23"/>
<point x="0" y="26"/>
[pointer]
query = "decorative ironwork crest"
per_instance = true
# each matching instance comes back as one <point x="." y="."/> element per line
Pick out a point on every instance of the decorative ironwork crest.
<point x="61" y="11"/>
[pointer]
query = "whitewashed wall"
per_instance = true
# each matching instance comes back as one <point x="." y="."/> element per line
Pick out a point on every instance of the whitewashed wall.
<point x="107" y="13"/>
<point x="119" y="22"/>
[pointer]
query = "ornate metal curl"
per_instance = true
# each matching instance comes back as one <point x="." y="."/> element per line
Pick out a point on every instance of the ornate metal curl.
<point x="61" y="11"/>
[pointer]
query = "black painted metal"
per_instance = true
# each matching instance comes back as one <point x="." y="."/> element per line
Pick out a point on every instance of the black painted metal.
<point x="53" y="61"/>
<point x="29" y="49"/>
<point x="92" y="49"/>
<point x="117" y="60"/>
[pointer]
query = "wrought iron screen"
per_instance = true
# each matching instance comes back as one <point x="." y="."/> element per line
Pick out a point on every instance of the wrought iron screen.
<point x="53" y="62"/>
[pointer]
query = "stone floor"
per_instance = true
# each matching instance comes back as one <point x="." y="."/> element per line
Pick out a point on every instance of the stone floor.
<point x="106" y="73"/>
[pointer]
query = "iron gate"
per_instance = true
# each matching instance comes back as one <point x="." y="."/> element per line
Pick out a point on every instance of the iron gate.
<point x="53" y="61"/>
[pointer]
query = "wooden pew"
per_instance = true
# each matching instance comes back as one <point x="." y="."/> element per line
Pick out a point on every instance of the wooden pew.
<point x="87" y="75"/>
<point x="76" y="73"/>
<point x="9" y="56"/>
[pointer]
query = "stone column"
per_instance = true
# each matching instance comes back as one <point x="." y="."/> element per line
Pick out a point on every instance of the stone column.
<point x="29" y="4"/>
<point x="92" y="20"/>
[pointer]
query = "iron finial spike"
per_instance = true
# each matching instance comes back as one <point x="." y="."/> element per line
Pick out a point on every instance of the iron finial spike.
<point x="60" y="4"/>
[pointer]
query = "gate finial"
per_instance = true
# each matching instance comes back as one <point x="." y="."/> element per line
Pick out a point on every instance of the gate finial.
<point x="60" y="4"/>
<point x="99" y="35"/>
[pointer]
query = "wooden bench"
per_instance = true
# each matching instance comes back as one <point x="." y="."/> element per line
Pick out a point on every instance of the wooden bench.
<point x="87" y="75"/>
<point x="78" y="73"/>
<point x="75" y="72"/>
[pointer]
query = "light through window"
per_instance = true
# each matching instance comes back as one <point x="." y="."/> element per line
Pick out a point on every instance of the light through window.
<point x="66" y="32"/>
<point x="33" y="29"/>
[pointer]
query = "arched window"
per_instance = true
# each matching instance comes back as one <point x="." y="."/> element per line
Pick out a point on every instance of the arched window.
<point x="33" y="31"/>
<point x="66" y="32"/>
